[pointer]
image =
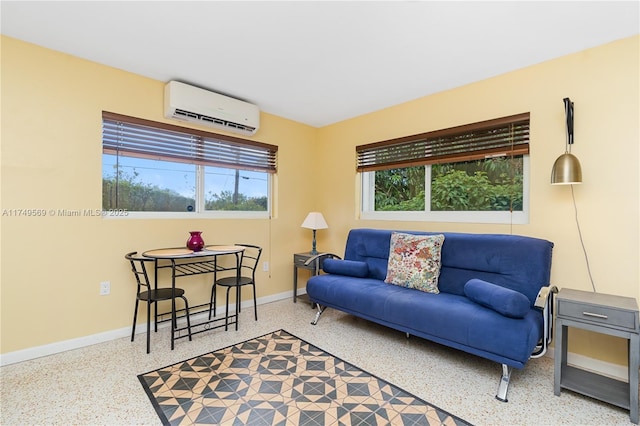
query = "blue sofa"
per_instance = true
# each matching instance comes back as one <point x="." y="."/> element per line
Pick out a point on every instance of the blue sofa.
<point x="494" y="297"/>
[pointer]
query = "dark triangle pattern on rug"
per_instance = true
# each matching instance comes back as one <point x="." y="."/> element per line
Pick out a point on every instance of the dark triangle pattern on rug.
<point x="280" y="379"/>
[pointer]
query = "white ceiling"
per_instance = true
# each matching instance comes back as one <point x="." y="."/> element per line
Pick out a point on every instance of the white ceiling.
<point x="320" y="62"/>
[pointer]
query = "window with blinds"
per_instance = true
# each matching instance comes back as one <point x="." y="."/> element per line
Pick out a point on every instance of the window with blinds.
<point x="507" y="136"/>
<point x="150" y="166"/>
<point x="140" y="138"/>
<point x="472" y="173"/>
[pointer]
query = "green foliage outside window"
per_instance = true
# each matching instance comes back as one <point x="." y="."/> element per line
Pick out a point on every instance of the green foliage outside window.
<point x="494" y="184"/>
<point x="127" y="193"/>
<point x="227" y="200"/>
<point x="400" y="189"/>
<point x="124" y="192"/>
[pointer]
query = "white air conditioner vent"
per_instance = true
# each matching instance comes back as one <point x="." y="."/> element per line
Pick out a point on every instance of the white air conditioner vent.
<point x="189" y="103"/>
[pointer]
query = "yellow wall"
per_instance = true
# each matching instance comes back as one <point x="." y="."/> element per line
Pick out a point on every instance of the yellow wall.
<point x="604" y="85"/>
<point x="51" y="159"/>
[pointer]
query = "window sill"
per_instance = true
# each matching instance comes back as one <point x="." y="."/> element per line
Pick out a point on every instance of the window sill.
<point x="516" y="218"/>
<point x="186" y="215"/>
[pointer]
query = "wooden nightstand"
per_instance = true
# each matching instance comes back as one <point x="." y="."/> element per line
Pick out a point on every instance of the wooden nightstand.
<point x="606" y="314"/>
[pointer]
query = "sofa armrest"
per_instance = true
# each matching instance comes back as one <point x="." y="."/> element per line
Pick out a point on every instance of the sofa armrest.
<point x="545" y="303"/>
<point x="318" y="256"/>
<point x="544" y="295"/>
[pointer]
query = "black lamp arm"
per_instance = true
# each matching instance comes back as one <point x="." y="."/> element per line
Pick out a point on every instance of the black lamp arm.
<point x="568" y="108"/>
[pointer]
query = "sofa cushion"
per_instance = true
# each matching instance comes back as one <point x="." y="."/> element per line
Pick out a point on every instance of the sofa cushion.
<point x="414" y="261"/>
<point x="517" y="262"/>
<point x="445" y="318"/>
<point x="505" y="301"/>
<point x="351" y="268"/>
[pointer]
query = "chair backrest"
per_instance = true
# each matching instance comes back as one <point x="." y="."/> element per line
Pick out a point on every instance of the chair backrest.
<point x="250" y="258"/>
<point x="139" y="269"/>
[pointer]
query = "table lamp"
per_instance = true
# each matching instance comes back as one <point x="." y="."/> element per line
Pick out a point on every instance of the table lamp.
<point x="314" y="221"/>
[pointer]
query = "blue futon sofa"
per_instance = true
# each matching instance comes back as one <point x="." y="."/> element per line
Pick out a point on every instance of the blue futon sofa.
<point x="493" y="296"/>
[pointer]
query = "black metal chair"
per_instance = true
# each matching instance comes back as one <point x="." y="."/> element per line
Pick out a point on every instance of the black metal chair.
<point x="151" y="296"/>
<point x="249" y="259"/>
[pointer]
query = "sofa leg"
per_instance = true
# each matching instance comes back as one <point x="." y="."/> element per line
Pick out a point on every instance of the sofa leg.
<point x="503" y="386"/>
<point x="320" y="311"/>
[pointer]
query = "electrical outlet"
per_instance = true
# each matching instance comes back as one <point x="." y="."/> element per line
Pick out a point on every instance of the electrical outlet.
<point x="265" y="266"/>
<point x="105" y="288"/>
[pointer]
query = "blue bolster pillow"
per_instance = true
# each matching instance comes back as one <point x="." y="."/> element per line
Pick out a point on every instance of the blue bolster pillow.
<point x="351" y="268"/>
<point x="505" y="301"/>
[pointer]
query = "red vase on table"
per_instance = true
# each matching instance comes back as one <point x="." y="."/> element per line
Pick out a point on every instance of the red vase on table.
<point x="195" y="241"/>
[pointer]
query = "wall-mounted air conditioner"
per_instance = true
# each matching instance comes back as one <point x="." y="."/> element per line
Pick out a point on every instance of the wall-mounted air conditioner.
<point x="196" y="105"/>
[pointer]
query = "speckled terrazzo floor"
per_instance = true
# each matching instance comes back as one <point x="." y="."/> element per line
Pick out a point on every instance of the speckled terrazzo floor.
<point x="98" y="385"/>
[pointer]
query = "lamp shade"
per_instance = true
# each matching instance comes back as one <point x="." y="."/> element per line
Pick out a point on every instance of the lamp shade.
<point x="314" y="220"/>
<point x="566" y="170"/>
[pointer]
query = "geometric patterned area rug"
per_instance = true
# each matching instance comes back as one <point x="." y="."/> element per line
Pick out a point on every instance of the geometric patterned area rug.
<point x="279" y="379"/>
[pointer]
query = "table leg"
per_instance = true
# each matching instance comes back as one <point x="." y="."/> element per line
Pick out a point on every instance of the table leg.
<point x="214" y="288"/>
<point x="155" y="305"/>
<point x="173" y="303"/>
<point x="295" y="284"/>
<point x="634" y="364"/>
<point x="237" y="305"/>
<point x="238" y="274"/>
<point x="560" y="356"/>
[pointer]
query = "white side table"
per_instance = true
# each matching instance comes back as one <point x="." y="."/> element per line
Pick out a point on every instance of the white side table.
<point x="606" y="314"/>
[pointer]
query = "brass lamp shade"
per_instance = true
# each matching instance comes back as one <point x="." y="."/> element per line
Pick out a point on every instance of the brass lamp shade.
<point x="566" y="170"/>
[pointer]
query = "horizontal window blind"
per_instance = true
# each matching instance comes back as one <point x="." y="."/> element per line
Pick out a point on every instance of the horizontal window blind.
<point x="135" y="137"/>
<point x="500" y="137"/>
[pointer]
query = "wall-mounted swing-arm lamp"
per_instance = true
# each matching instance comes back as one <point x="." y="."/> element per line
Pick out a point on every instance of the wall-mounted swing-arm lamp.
<point x="566" y="170"/>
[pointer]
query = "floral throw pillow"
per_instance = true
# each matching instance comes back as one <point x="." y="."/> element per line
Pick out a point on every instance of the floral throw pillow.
<point x="414" y="261"/>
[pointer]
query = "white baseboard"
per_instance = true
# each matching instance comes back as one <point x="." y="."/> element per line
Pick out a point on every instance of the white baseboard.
<point x="608" y="369"/>
<point x="80" y="342"/>
<point x="591" y="364"/>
